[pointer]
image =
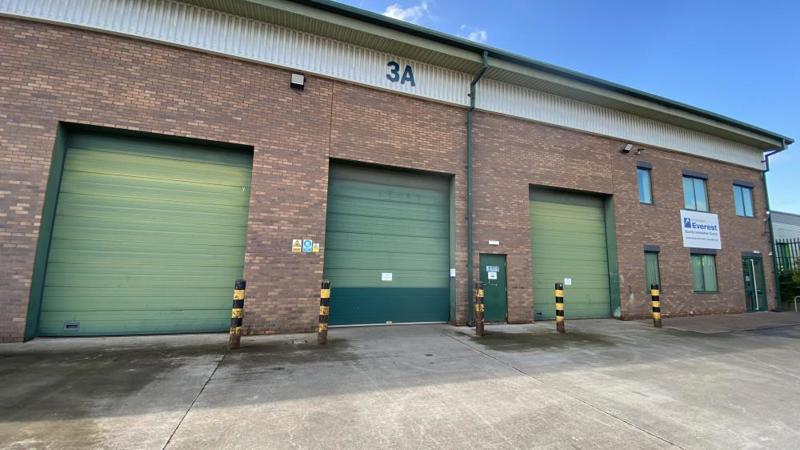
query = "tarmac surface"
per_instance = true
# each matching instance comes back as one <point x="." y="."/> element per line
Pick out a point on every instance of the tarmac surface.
<point x="603" y="384"/>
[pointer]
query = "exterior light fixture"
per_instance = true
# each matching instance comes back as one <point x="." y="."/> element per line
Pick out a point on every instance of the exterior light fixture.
<point x="298" y="81"/>
<point x="627" y="149"/>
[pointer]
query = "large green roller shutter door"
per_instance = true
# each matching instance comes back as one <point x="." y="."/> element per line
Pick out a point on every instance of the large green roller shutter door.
<point x="380" y="222"/>
<point x="148" y="237"/>
<point x="568" y="240"/>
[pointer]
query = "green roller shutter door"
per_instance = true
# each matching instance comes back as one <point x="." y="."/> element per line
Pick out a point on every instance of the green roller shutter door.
<point x="387" y="222"/>
<point x="568" y="240"/>
<point x="148" y="237"/>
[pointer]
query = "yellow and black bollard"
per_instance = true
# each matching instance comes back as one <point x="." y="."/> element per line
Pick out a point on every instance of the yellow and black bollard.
<point x="655" y="295"/>
<point x="237" y="313"/>
<point x="324" y="311"/>
<point x="479" y="309"/>
<point x="560" y="326"/>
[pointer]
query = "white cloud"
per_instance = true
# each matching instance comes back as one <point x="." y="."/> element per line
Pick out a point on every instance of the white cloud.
<point x="474" y="34"/>
<point x="411" y="14"/>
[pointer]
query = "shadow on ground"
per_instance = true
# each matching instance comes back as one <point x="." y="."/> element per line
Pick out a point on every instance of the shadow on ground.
<point x="526" y="342"/>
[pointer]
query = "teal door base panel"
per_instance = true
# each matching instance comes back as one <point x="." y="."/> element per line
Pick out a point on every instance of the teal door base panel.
<point x="363" y="306"/>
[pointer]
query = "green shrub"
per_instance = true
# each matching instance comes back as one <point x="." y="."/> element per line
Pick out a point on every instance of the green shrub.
<point x="790" y="285"/>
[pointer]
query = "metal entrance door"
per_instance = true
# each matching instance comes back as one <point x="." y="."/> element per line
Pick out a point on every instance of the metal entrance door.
<point x="754" y="287"/>
<point x="493" y="276"/>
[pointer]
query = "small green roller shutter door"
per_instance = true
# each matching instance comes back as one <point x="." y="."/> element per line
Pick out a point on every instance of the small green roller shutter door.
<point x="148" y="237"/>
<point x="568" y="240"/>
<point x="383" y="222"/>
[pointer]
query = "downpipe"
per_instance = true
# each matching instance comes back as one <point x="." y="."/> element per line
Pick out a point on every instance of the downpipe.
<point x="470" y="113"/>
<point x="771" y="230"/>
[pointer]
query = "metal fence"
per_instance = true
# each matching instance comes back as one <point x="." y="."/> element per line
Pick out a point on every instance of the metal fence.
<point x="787" y="252"/>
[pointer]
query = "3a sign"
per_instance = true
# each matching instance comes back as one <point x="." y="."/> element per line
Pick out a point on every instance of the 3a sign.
<point x="396" y="76"/>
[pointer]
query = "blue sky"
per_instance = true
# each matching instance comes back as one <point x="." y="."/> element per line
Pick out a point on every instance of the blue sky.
<point x="736" y="58"/>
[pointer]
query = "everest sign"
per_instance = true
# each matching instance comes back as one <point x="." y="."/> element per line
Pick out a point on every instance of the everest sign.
<point x="700" y="230"/>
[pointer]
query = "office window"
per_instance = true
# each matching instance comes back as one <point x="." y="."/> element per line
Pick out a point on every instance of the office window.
<point x="694" y="194"/>
<point x="743" y="199"/>
<point x="652" y="270"/>
<point x="645" y="186"/>
<point x="704" y="273"/>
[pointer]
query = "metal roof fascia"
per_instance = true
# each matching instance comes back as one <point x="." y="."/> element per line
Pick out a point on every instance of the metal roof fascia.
<point x="639" y="103"/>
<point x="452" y="41"/>
<point x="358" y="22"/>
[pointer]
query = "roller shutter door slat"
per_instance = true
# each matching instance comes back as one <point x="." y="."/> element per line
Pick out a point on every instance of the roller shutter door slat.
<point x="568" y="240"/>
<point x="148" y="237"/>
<point x="387" y="221"/>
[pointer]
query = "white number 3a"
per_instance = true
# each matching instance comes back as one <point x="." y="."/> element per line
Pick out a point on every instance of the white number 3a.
<point x="394" y="74"/>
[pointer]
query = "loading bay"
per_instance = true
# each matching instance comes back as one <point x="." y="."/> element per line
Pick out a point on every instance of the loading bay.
<point x="697" y="383"/>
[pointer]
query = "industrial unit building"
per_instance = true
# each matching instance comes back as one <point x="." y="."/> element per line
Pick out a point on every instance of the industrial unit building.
<point x="785" y="225"/>
<point x="153" y="151"/>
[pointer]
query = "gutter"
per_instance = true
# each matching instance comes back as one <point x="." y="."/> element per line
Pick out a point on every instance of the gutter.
<point x="523" y="61"/>
<point x="470" y="257"/>
<point x="772" y="248"/>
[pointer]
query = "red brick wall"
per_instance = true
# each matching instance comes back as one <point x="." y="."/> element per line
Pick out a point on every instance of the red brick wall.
<point x="639" y="224"/>
<point x="50" y="74"/>
<point x="382" y="128"/>
<point x="513" y="154"/>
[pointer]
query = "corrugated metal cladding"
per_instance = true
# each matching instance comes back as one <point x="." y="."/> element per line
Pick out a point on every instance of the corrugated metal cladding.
<point x="218" y="32"/>
<point x="518" y="101"/>
<point x="191" y="26"/>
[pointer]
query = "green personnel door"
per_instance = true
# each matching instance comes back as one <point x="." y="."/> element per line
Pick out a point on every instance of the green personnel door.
<point x="493" y="276"/>
<point x="387" y="246"/>
<point x="148" y="237"/>
<point x="568" y="242"/>
<point x="754" y="284"/>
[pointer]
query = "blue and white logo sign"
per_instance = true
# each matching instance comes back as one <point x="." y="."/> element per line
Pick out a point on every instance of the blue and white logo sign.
<point x="308" y="245"/>
<point x="700" y="230"/>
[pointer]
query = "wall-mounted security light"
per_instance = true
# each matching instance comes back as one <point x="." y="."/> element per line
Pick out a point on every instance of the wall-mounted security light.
<point x="298" y="81"/>
<point x="627" y="149"/>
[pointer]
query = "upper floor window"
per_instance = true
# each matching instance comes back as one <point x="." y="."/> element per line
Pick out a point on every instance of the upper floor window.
<point x="694" y="193"/>
<point x="743" y="199"/>
<point x="645" y="185"/>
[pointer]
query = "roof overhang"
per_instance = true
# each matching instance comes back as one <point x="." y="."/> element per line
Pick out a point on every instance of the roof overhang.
<point x="371" y="30"/>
